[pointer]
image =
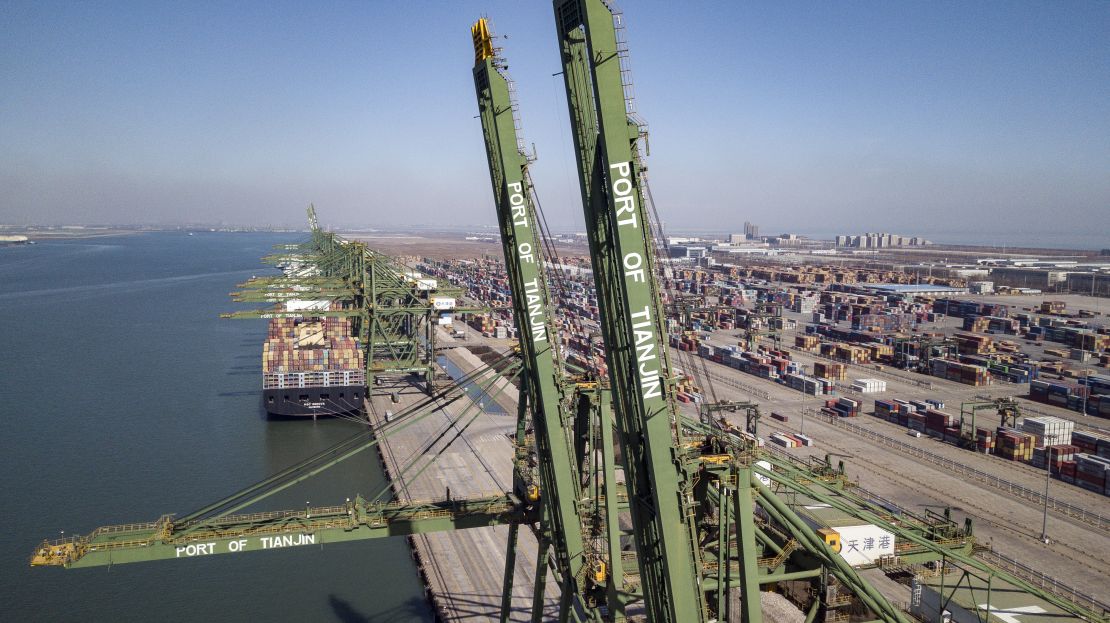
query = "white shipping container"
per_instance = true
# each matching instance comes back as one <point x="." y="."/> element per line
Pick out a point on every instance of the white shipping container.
<point x="869" y="386"/>
<point x="766" y="480"/>
<point x="864" y="544"/>
<point x="443" y="302"/>
<point x="300" y="305"/>
<point x="1049" y="430"/>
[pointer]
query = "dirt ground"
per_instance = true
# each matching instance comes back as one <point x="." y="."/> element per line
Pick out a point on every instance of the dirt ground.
<point x="441" y="246"/>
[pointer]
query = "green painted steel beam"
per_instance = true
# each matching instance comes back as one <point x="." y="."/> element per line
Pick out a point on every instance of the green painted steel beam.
<point x="288" y="281"/>
<point x="750" y="611"/>
<point x="308" y="313"/>
<point x="937" y="550"/>
<point x="617" y="227"/>
<point x="355" y="520"/>
<point x="533" y="310"/>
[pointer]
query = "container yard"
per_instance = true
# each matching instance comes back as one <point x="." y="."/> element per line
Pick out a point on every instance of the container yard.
<point x="898" y="360"/>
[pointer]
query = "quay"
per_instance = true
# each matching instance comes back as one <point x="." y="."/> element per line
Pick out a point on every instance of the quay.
<point x="462" y="570"/>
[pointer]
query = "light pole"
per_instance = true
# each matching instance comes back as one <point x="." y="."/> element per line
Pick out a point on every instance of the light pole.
<point x="1047" y="479"/>
<point x="802" y="428"/>
<point x="1086" y="383"/>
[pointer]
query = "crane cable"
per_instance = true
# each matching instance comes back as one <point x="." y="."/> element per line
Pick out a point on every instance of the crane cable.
<point x="695" y="364"/>
<point x="426" y="450"/>
<point x="550" y="252"/>
<point x="344" y="448"/>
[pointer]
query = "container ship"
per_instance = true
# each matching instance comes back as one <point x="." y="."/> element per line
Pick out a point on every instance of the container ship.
<point x="312" y="367"/>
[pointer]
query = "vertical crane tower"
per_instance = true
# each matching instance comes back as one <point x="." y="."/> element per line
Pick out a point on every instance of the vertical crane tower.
<point x="610" y="173"/>
<point x="542" y="385"/>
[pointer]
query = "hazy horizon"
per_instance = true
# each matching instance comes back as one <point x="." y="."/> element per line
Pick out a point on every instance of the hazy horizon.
<point x="910" y="118"/>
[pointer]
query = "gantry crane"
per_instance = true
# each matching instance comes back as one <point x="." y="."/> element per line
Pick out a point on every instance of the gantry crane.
<point x="764" y="316"/>
<point x="915" y="352"/>
<point x="393" y="309"/>
<point x="1007" y="409"/>
<point x="605" y="141"/>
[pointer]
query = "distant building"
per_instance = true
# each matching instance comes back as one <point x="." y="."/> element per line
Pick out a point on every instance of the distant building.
<point x="687" y="251"/>
<point x="737" y="238"/>
<point x="751" y="232"/>
<point x="922" y="289"/>
<point x="963" y="272"/>
<point x="1097" y="284"/>
<point x="673" y="240"/>
<point x="1019" y="277"/>
<point x="879" y="241"/>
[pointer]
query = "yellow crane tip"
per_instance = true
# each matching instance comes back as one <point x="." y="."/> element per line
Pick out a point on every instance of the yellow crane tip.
<point x="483" y="42"/>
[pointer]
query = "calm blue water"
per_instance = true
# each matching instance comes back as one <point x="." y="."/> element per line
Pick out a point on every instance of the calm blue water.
<point x="123" y="397"/>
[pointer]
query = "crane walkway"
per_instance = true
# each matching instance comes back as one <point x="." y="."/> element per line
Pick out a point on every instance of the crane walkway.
<point x="233" y="534"/>
<point x="463" y="570"/>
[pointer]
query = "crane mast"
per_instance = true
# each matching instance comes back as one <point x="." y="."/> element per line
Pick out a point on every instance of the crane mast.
<point x="542" y="387"/>
<point x="610" y="174"/>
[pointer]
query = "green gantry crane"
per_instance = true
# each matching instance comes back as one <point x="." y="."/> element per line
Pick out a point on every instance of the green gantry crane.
<point x="1007" y="409"/>
<point x="674" y="482"/>
<point x="392" y="308"/>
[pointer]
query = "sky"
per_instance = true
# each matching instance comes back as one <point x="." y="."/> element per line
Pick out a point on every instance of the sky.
<point x="815" y="117"/>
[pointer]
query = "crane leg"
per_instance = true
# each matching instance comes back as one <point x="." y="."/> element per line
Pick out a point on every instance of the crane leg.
<point x="541" y="578"/>
<point x="745" y="524"/>
<point x="510" y="572"/>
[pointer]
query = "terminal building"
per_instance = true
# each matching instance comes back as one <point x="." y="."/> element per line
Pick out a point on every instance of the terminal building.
<point x="911" y="289"/>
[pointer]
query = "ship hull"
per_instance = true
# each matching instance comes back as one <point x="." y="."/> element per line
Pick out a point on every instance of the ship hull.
<point x="313" y="402"/>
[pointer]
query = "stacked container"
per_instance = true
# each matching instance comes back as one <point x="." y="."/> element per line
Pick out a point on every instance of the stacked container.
<point x="1091" y="472"/>
<point x="1048" y="429"/>
<point x="829" y="370"/>
<point x="869" y="386"/>
<point x="807" y="342"/>
<point x="961" y="372"/>
<point x="1014" y="445"/>
<point x="984" y="440"/>
<point x="1091" y="443"/>
<point x="936" y="422"/>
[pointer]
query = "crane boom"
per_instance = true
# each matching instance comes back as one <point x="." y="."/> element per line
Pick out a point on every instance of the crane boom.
<point x="606" y="143"/>
<point x="233" y="534"/>
<point x="516" y="215"/>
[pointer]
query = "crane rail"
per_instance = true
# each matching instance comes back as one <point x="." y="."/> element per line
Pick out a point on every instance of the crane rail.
<point x="1096" y="520"/>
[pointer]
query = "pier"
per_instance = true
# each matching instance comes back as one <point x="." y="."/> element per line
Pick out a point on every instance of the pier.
<point x="462" y="570"/>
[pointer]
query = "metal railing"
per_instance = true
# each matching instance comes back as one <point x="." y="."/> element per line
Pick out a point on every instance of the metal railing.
<point x="1042" y="581"/>
<point x="876" y="371"/>
<point x="744" y="387"/>
<point x="1096" y="520"/>
<point x="313" y="378"/>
